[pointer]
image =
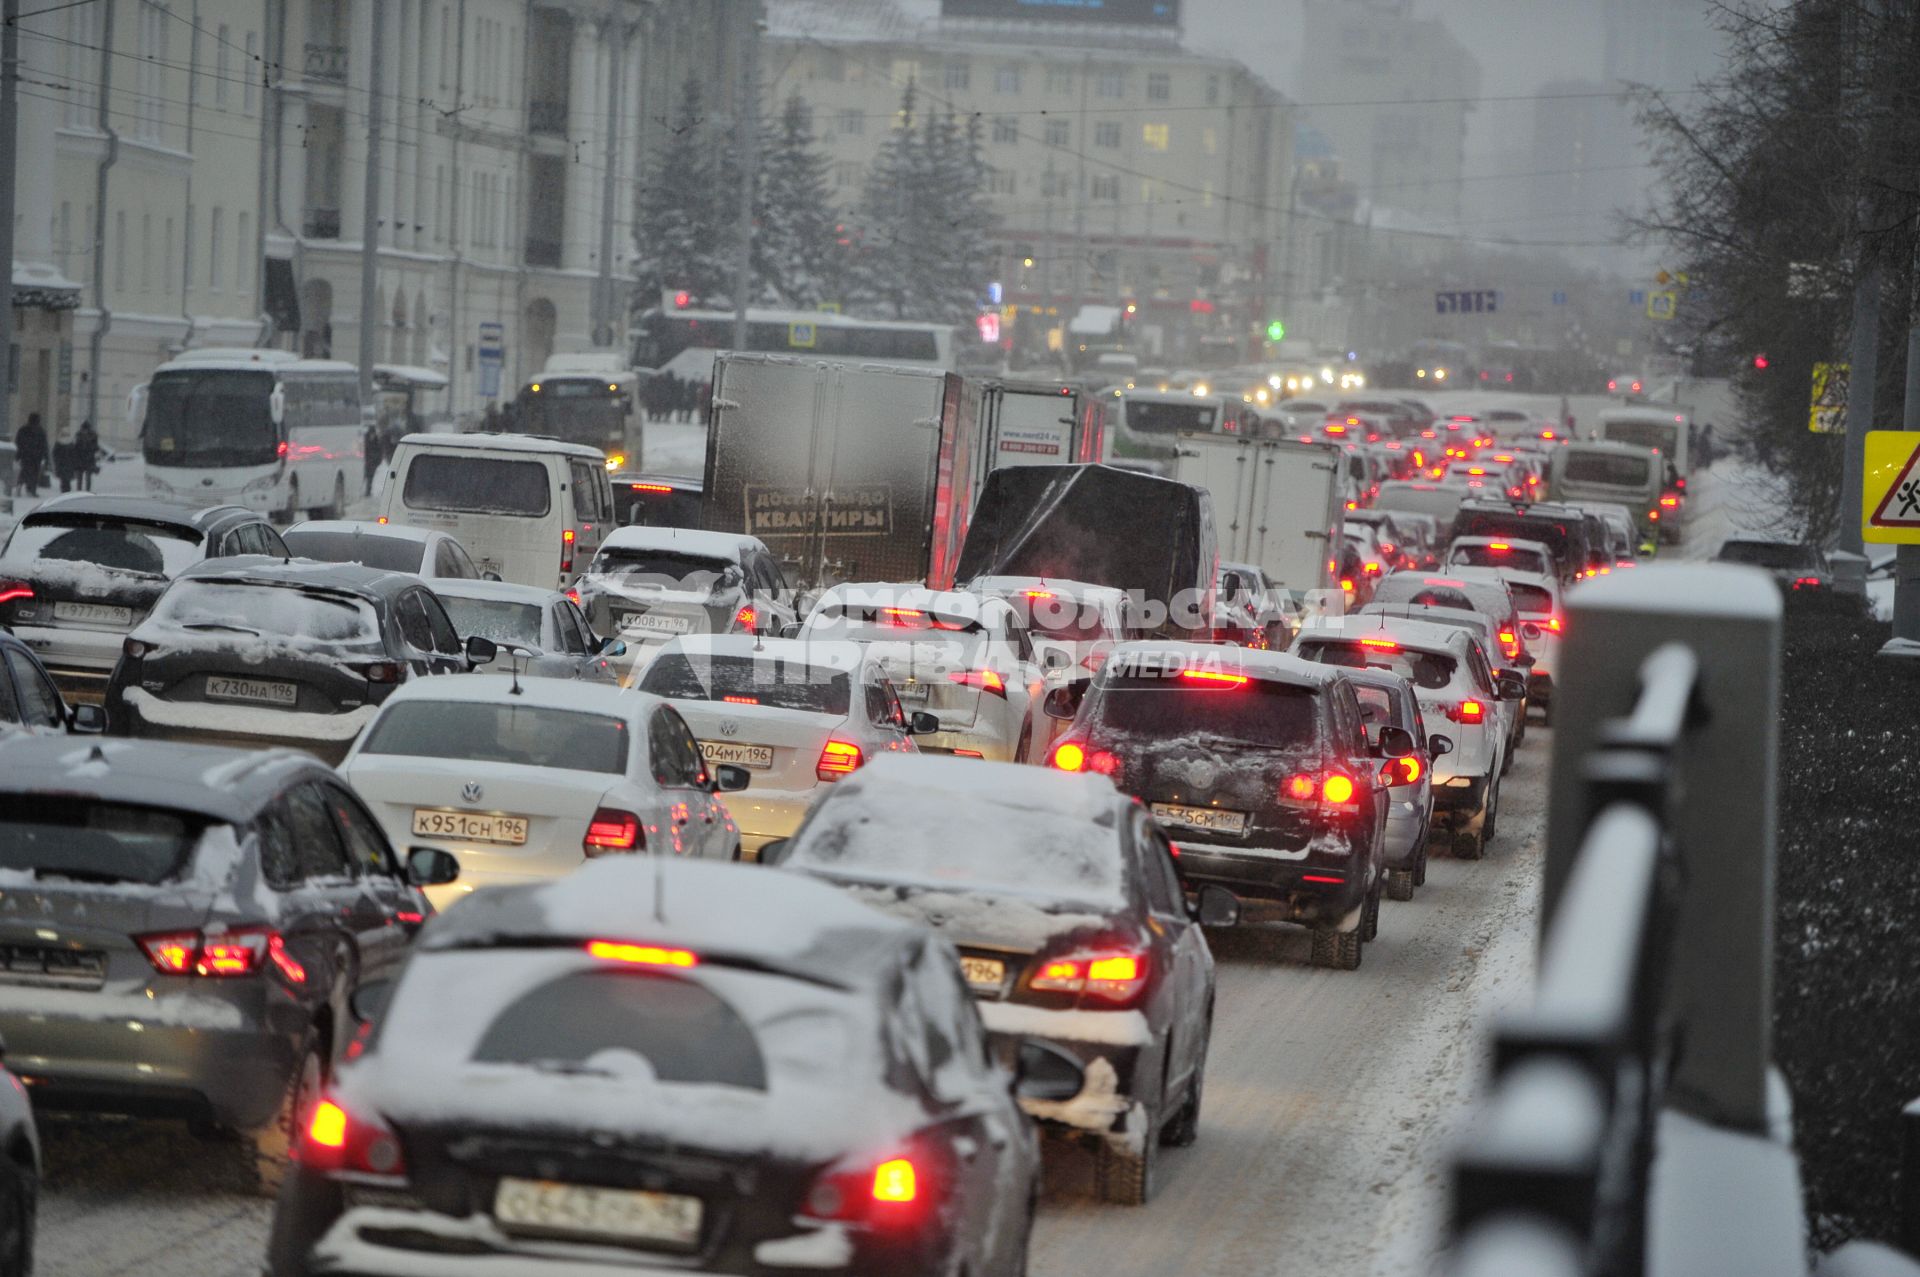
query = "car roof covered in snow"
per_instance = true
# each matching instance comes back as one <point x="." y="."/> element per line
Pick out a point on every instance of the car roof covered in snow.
<point x="228" y="785"/>
<point x="494" y="591"/>
<point x="266" y="569"/>
<point x="746" y="913"/>
<point x="1278" y="667"/>
<point x="839" y="654"/>
<point x="546" y="693"/>
<point x="503" y="443"/>
<point x="713" y="545"/>
<point x="366" y="527"/>
<point x="1446" y="617"/>
<point x="1075" y="591"/>
<point x="86" y="504"/>
<point x="1422" y="636"/>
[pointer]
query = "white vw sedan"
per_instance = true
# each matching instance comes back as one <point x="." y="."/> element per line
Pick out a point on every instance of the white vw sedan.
<point x="797" y="714"/>
<point x="528" y="778"/>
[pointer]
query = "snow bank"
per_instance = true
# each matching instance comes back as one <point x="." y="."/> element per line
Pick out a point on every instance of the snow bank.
<point x="1094" y="1109"/>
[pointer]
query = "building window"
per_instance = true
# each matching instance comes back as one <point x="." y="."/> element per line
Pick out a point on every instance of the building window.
<point x="1110" y="84"/>
<point x="222" y="64"/>
<point x="1105" y="188"/>
<point x="1059" y="133"/>
<point x="1053" y="184"/>
<point x="1006" y="79"/>
<point x="1154" y="136"/>
<point x="959" y="75"/>
<point x="1159" y="86"/>
<point x="1106" y="133"/>
<point x="247" y="74"/>
<point x="1213" y="90"/>
<point x="216" y="254"/>
<point x="1001" y="182"/>
<point x="1006" y="130"/>
<point x="63" y="236"/>
<point x="1059" y="80"/>
<point x="850" y="123"/>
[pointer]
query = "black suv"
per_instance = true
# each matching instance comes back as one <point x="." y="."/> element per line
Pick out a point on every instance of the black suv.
<point x="1567" y="531"/>
<point x="81" y="571"/>
<point x="1258" y="765"/>
<point x="259" y="651"/>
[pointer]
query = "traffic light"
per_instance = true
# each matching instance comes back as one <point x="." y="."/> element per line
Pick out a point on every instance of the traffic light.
<point x="1275" y="330"/>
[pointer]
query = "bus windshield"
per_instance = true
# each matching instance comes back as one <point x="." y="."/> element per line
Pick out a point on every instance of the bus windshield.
<point x="576" y="409"/>
<point x="1641" y="434"/>
<point x="210" y="419"/>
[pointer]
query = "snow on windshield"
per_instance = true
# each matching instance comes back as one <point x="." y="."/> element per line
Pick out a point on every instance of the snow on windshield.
<point x="497" y="619"/>
<point x="109" y="543"/>
<point x="56" y="835"/>
<point x="756" y="680"/>
<point x="392" y="554"/>
<point x="251" y="608"/>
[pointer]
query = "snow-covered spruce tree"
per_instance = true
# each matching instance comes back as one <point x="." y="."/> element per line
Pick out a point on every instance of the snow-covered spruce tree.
<point x="797" y="259"/>
<point x="683" y="233"/>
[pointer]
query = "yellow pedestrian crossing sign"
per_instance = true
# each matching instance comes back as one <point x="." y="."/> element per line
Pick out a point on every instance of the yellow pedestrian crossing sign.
<point x="1890" y="493"/>
<point x="1662" y="305"/>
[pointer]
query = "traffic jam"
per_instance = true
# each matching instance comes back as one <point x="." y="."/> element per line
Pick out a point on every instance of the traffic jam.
<point x="515" y="873"/>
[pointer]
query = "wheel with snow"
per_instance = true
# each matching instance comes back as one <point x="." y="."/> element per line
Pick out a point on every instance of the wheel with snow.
<point x="1400" y="884"/>
<point x="19" y="1205"/>
<point x="1370" y="913"/>
<point x="270" y="1149"/>
<point x="1468" y="845"/>
<point x="1420" y="866"/>
<point x="1126" y="1177"/>
<point x="1338" y="950"/>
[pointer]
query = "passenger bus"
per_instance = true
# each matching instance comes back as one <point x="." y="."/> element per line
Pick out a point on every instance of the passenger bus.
<point x="1441" y="364"/>
<point x="1143" y="426"/>
<point x="591" y="398"/>
<point x="264" y="429"/>
<point x="683" y="341"/>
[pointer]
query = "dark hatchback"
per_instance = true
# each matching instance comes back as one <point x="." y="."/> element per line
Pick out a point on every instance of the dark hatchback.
<point x="656" y="500"/>
<point x="81" y="571"/>
<point x="1259" y="767"/>
<point x="185" y="927"/>
<point x="1062" y="897"/>
<point x="658" y="1067"/>
<point x="259" y="651"/>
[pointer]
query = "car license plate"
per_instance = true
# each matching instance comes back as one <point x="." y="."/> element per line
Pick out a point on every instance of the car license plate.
<point x="252" y="690"/>
<point x="916" y="692"/>
<point x="656" y="623"/>
<point x="1211" y="819"/>
<point x="722" y="751"/>
<point x="470" y="826"/>
<point x="584" y="1210"/>
<point x="983" y="973"/>
<point x="98" y="613"/>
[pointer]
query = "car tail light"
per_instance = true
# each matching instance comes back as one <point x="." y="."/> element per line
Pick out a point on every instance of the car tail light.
<point x="650" y="487"/>
<point x="612" y="830"/>
<point x="223" y="955"/>
<point x="744" y="619"/>
<point x="566" y="550"/>
<point x="380" y="671"/>
<point x="741" y="700"/>
<point x="336" y="1140"/>
<point x="1653" y="516"/>
<point x="1669" y="502"/>
<point x="573" y="597"/>
<point x="1379" y="644"/>
<point x="1213" y="678"/>
<point x="1371" y="569"/>
<point x="984" y="680"/>
<point x="1807" y="583"/>
<point x="1074" y="756"/>
<point x="1509" y="643"/>
<point x="1468" y="712"/>
<point x="135" y="648"/>
<point x="1346" y="583"/>
<point x="1111" y="975"/>
<point x="14" y="591"/>
<point x="1402" y="771"/>
<point x="642" y="955"/>
<point x="838" y="758"/>
<point x="893" y="1192"/>
<point x="1332" y="791"/>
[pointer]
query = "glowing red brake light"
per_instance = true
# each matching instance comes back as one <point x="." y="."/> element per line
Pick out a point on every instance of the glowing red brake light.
<point x="221" y="956"/>
<point x="1402" y="771"/>
<point x="741" y="700"/>
<point x="896" y="1181"/>
<point x="336" y="1140"/>
<point x="1385" y="645"/>
<point x="1337" y="789"/>
<point x="1499" y="547"/>
<point x="643" y="955"/>
<point x="328" y="1129"/>
<point x="12" y="591"/>
<point x="650" y="487"/>
<point x="171" y="954"/>
<point x="1038" y="594"/>
<point x="1468" y="712"/>
<point x="745" y="618"/>
<point x="612" y="830"/>
<point x="1214" y="677"/>
<point x="985" y="680"/>
<point x="1068" y="757"/>
<point x="838" y="758"/>
<point x="1669" y="502"/>
<point x="566" y="550"/>
<point x="1346" y="583"/>
<point x="1371" y="569"/>
<point x="1113" y="977"/>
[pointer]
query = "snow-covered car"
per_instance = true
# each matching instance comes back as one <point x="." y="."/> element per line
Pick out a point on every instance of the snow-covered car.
<point x="1542" y="622"/>
<point x="201" y="919"/>
<point x="1062" y="897"/>
<point x="1459" y="698"/>
<point x="19" y="1175"/>
<point x="1258" y="765"/>
<point x="1498" y="552"/>
<point x="663" y="1066"/>
<point x="1069" y="623"/>
<point x="81" y="571"/>
<point x="798" y="715"/>
<point x="29" y="701"/>
<point x="254" y="651"/>
<point x="1387" y="700"/>
<point x="392" y="547"/>
<point x="647" y="585"/>
<point x="544" y="628"/>
<point x="529" y="778"/>
<point x="1480" y="590"/>
<point x="966" y="658"/>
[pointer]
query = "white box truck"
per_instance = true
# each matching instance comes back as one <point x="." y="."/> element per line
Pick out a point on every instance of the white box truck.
<point x="1277" y="503"/>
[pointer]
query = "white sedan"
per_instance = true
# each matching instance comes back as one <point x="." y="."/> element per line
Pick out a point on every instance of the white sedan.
<point x="798" y="715"/>
<point x="528" y="778"/>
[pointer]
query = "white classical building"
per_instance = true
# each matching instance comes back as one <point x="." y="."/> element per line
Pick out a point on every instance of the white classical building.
<point x="194" y="173"/>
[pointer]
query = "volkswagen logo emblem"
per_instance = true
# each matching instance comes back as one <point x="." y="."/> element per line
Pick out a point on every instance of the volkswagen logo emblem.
<point x="471" y="791"/>
<point x="729" y="727"/>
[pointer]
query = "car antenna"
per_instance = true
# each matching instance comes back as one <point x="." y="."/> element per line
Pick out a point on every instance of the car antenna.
<point x="514" y="656"/>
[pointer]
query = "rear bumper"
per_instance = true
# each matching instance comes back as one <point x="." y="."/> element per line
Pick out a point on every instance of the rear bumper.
<point x="81" y="661"/>
<point x="1110" y="1046"/>
<point x="1312" y="886"/>
<point x="1459" y="801"/>
<point x="326" y="736"/>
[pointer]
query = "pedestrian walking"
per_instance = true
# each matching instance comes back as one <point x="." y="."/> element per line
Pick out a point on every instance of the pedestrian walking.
<point x="86" y="446"/>
<point x="63" y="464"/>
<point x="30" y="452"/>
<point x="373" y="448"/>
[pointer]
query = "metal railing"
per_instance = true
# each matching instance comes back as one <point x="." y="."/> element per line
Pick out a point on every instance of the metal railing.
<point x="1632" y="1125"/>
<point x="326" y="62"/>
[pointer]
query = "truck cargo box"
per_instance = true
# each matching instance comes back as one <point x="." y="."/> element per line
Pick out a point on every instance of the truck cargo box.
<point x="1276" y="502"/>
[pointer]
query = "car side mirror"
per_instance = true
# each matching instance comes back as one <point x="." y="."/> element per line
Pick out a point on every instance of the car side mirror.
<point x="790" y="630"/>
<point x="1056" y="658"/>
<point x="730" y="779"/>
<point x="774" y="852"/>
<point x="1439" y="745"/>
<point x="1216" y="907"/>
<point x="87" y="720"/>
<point x="1063" y="702"/>
<point x="922" y="723"/>
<point x="1045" y="1073"/>
<point x="1510" y="686"/>
<point x="1395" y="742"/>
<point x="481" y="649"/>
<point x="612" y="647"/>
<point x="370" y="999"/>
<point x="490" y="576"/>
<point x="431" y="867"/>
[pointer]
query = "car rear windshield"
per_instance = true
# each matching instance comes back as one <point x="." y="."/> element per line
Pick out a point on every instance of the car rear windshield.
<point x="881" y="622"/>
<point x="1531" y="599"/>
<point x="250" y="608"/>
<point x="1641" y="434"/>
<point x="392" y="554"/>
<point x="587" y="1020"/>
<point x="746" y="680"/>
<point x="1609" y="468"/>
<point x="1483" y="556"/>
<point x="483" y="732"/>
<point x="56" y="836"/>
<point x="1417" y="592"/>
<point x="1259" y="713"/>
<point x="1769" y="554"/>
<point x="477" y="485"/>
<point x="497" y="619"/>
<point x="1424" y="499"/>
<point x="676" y="566"/>
<point x="128" y="545"/>
<point x="1426" y="670"/>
